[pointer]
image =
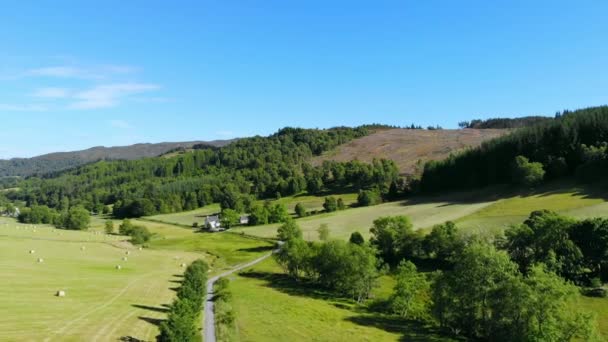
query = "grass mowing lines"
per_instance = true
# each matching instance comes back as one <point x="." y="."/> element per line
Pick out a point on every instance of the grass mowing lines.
<point x="515" y="209"/>
<point x="343" y="223"/>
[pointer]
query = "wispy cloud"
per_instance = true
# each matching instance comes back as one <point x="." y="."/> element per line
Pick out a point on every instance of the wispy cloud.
<point x="122" y="124"/>
<point x="77" y="72"/>
<point x="52" y="93"/>
<point x="109" y="95"/>
<point x="22" y="107"/>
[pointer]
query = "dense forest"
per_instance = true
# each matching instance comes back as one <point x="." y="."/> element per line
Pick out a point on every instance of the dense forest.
<point x="572" y="144"/>
<point x="503" y="123"/>
<point x="233" y="175"/>
<point x="54" y="162"/>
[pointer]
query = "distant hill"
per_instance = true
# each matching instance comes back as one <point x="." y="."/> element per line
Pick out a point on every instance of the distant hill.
<point x="409" y="148"/>
<point x="59" y="161"/>
<point x="502" y="123"/>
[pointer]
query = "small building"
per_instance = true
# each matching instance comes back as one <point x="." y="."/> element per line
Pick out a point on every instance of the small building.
<point x="213" y="223"/>
<point x="244" y="220"/>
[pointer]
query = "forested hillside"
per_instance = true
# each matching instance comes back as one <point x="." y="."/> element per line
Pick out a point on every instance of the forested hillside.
<point x="572" y="144"/>
<point x="59" y="161"/>
<point x="504" y="123"/>
<point x="234" y="175"/>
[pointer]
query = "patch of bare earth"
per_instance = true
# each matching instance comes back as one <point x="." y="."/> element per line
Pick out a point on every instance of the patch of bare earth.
<point x="410" y="148"/>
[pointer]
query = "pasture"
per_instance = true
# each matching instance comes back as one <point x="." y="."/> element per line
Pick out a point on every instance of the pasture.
<point x="311" y="203"/>
<point x="343" y="223"/>
<point x="488" y="211"/>
<point x="271" y="307"/>
<point x="102" y="302"/>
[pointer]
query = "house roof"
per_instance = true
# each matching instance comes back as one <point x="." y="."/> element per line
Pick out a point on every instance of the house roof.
<point x="214" y="218"/>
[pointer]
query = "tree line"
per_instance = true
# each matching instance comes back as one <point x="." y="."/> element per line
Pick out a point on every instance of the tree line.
<point x="520" y="286"/>
<point x="505" y="123"/>
<point x="572" y="144"/>
<point x="182" y="323"/>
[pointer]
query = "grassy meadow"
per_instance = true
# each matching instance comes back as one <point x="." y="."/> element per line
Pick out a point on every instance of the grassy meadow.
<point x="102" y="303"/>
<point x="488" y="211"/>
<point x="311" y="203"/>
<point x="271" y="307"/>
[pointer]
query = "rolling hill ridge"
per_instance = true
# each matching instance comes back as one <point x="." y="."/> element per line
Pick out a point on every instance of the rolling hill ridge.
<point x="59" y="161"/>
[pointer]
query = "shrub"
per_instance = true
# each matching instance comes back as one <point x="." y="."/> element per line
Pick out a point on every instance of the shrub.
<point x="369" y="197"/>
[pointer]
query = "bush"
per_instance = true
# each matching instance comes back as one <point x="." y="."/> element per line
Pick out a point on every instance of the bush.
<point x="527" y="173"/>
<point x="368" y="197"/>
<point x="330" y="204"/>
<point x="77" y="218"/>
<point x="300" y="210"/>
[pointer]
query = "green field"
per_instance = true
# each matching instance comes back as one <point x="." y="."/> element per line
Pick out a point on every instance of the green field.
<point x="482" y="212"/>
<point x="102" y="303"/>
<point x="271" y="307"/>
<point x="512" y="210"/>
<point x="343" y="223"/>
<point x="311" y="203"/>
<point x="187" y="218"/>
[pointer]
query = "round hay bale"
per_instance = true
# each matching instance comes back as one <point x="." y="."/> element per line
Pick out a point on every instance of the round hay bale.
<point x="128" y="252"/>
<point x="124" y="259"/>
<point x="32" y="252"/>
<point x="118" y="267"/>
<point x="183" y="265"/>
<point x="60" y="293"/>
<point x="40" y="260"/>
<point x="140" y="248"/>
<point x="83" y="248"/>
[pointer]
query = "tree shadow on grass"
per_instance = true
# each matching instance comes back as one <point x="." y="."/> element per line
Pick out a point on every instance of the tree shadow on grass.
<point x="256" y="249"/>
<point x="288" y="285"/>
<point x="411" y="331"/>
<point x="153" y="321"/>
<point x="129" y="339"/>
<point x="151" y="308"/>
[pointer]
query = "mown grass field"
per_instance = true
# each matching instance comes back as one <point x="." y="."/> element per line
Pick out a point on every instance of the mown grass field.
<point x="343" y="223"/>
<point x="573" y="201"/>
<point x="271" y="307"/>
<point x="187" y="218"/>
<point x="102" y="303"/>
<point x="311" y="203"/>
<point x="489" y="211"/>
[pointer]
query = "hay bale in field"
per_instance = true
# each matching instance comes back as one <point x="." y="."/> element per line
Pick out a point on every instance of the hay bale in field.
<point x="127" y="252"/>
<point x="83" y="248"/>
<point x="124" y="258"/>
<point x="183" y="265"/>
<point x="32" y="251"/>
<point x="40" y="260"/>
<point x="140" y="248"/>
<point x="118" y="267"/>
<point x="60" y="293"/>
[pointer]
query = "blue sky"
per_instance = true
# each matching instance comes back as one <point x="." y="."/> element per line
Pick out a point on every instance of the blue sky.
<point x="78" y="74"/>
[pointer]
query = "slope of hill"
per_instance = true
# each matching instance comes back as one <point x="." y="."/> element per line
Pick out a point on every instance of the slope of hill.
<point x="58" y="161"/>
<point x="409" y="148"/>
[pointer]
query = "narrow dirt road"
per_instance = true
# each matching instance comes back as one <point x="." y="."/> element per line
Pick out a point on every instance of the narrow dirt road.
<point x="209" y="320"/>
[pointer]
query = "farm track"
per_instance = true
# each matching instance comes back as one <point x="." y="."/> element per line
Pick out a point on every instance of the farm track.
<point x="209" y="314"/>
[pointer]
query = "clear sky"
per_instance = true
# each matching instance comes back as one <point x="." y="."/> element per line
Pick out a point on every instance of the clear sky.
<point x="76" y="74"/>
